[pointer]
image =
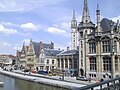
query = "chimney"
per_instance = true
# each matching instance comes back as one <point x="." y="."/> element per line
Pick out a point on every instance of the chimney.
<point x="67" y="48"/>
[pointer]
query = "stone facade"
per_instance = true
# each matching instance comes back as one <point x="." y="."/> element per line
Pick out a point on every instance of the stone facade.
<point x="68" y="61"/>
<point x="99" y="46"/>
<point x="48" y="59"/>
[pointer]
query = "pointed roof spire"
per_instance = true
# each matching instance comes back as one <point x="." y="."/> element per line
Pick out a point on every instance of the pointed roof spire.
<point x="97" y="6"/>
<point x="74" y="18"/>
<point x="86" y="15"/>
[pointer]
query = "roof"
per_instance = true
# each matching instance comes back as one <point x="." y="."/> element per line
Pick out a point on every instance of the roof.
<point x="106" y="24"/>
<point x="51" y="52"/>
<point x="36" y="47"/>
<point x="69" y="52"/>
<point x="47" y="46"/>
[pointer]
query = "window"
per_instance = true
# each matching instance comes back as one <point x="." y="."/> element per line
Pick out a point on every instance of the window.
<point x="81" y="54"/>
<point x="115" y="47"/>
<point x="47" y="61"/>
<point x="47" y="68"/>
<point x="52" y="61"/>
<point x="81" y="62"/>
<point x="81" y="34"/>
<point x="52" y="67"/>
<point x="62" y="63"/>
<point x="81" y="44"/>
<point x="66" y="63"/>
<point x="58" y="63"/>
<point x="93" y="66"/>
<point x="106" y="46"/>
<point x="92" y="47"/>
<point x="116" y="64"/>
<point x="107" y="64"/>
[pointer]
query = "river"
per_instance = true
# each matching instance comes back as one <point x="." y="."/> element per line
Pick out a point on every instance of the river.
<point x="17" y="84"/>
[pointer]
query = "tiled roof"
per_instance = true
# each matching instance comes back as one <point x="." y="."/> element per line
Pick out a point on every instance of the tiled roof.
<point x="46" y="46"/>
<point x="51" y="52"/>
<point x="69" y="52"/>
<point x="36" y="47"/>
<point x="105" y="24"/>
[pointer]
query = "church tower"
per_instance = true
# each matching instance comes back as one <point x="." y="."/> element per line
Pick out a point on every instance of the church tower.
<point x="85" y="28"/>
<point x="74" y="32"/>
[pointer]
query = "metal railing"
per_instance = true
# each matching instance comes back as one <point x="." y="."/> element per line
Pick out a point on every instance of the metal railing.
<point x="113" y="84"/>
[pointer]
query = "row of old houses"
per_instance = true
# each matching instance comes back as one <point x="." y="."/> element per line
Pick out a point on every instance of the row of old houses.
<point x="44" y="57"/>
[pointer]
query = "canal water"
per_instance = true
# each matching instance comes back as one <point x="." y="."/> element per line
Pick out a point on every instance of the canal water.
<point x="17" y="84"/>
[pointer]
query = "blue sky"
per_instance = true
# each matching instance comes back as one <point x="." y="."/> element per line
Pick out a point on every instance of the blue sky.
<point x="45" y="20"/>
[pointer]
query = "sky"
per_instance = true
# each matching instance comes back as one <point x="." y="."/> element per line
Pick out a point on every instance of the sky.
<point x="45" y="20"/>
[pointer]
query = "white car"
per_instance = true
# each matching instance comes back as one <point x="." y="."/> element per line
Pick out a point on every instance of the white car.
<point x="82" y="78"/>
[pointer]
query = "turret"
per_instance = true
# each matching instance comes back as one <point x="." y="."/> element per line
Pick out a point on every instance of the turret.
<point x="98" y="18"/>
<point x="74" y="32"/>
<point x="74" y="21"/>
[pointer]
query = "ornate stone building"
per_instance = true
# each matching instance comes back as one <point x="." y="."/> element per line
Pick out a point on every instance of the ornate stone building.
<point x="99" y="46"/>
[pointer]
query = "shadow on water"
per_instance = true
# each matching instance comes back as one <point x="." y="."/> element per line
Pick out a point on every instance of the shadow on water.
<point x="17" y="84"/>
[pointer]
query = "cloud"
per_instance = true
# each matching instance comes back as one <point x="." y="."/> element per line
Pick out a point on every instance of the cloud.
<point x="116" y="18"/>
<point x="55" y="30"/>
<point x="10" y="24"/>
<point x="63" y="25"/>
<point x="24" y="5"/>
<point x="30" y="26"/>
<point x="7" y="31"/>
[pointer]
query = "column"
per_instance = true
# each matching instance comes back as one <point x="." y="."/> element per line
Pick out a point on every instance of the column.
<point x="60" y="63"/>
<point x="64" y="64"/>
<point x="113" y="66"/>
<point x="68" y="63"/>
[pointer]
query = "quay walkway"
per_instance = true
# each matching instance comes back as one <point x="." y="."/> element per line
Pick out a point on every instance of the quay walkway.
<point x="67" y="83"/>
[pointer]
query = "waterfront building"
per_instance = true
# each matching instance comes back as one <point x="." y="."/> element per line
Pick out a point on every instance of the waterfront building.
<point x="6" y="60"/>
<point x="99" y="46"/>
<point x="21" y="56"/>
<point x="48" y="59"/>
<point x="68" y="61"/>
<point x="28" y="57"/>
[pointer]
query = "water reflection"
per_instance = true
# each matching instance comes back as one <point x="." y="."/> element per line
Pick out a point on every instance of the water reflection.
<point x="17" y="84"/>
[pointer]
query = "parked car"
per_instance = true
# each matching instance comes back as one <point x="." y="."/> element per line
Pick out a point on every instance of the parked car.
<point x="26" y="70"/>
<point x="82" y="78"/>
<point x="34" y="71"/>
<point x="42" y="72"/>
